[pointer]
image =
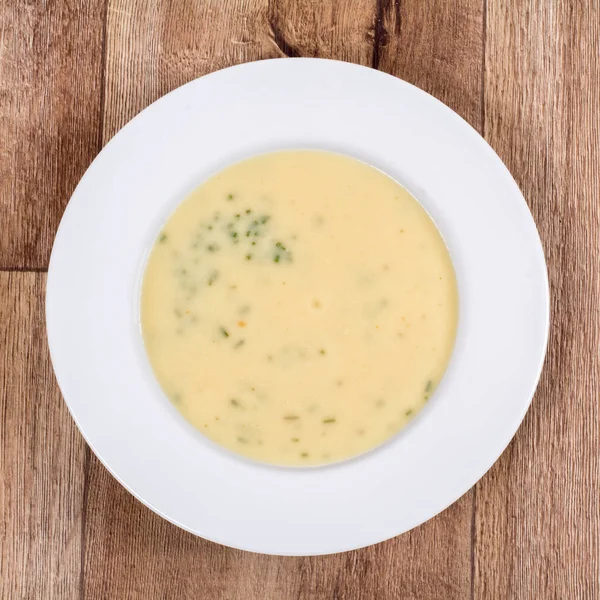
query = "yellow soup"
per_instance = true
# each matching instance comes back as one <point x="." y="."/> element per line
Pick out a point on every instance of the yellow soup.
<point x="299" y="308"/>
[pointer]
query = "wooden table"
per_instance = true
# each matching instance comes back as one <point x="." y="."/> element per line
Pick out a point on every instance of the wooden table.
<point x="524" y="73"/>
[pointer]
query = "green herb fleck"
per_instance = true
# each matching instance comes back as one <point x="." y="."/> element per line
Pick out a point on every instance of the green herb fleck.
<point x="239" y="344"/>
<point x="229" y="196"/>
<point x="213" y="277"/>
<point x="212" y="247"/>
<point x="248" y="256"/>
<point x="304" y="454"/>
<point x="329" y="420"/>
<point x="235" y="402"/>
<point x="409" y="412"/>
<point x="248" y="211"/>
<point x="322" y="352"/>
<point x="281" y="253"/>
<point x="295" y="440"/>
<point x="429" y="385"/>
<point x="162" y="238"/>
<point x="242" y="440"/>
<point x="224" y="332"/>
<point x="291" y="417"/>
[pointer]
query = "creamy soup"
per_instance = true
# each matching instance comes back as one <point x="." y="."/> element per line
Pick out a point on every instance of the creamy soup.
<point x="299" y="308"/>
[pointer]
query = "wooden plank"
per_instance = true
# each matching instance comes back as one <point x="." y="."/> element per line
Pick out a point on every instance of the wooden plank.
<point x="438" y="46"/>
<point x="50" y="96"/>
<point x="41" y="455"/>
<point x="538" y="511"/>
<point x="342" y="30"/>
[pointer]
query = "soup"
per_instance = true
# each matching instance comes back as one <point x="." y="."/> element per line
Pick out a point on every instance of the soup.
<point x="299" y="308"/>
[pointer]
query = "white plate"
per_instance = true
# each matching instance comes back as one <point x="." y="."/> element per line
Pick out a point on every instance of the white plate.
<point x="118" y="208"/>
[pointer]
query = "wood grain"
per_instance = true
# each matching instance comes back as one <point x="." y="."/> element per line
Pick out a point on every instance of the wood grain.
<point x="41" y="456"/>
<point x="438" y="46"/>
<point x="538" y="511"/>
<point x="50" y="105"/>
<point x="342" y="30"/>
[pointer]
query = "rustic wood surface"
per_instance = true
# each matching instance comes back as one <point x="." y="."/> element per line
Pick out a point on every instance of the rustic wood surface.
<point x="523" y="72"/>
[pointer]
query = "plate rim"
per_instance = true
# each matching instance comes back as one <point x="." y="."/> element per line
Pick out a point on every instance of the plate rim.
<point x="508" y="436"/>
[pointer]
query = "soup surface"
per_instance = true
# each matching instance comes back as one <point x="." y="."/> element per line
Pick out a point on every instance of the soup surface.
<point x="299" y="307"/>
